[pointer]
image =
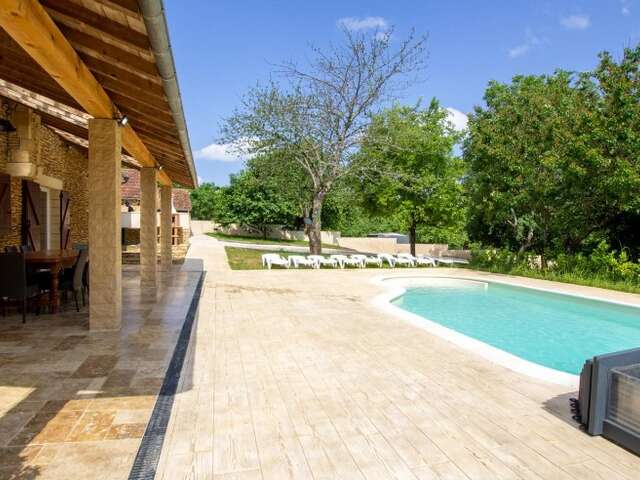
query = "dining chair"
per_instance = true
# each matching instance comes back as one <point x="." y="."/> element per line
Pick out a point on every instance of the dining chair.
<point x="74" y="283"/>
<point x="14" y="285"/>
<point x="11" y="249"/>
<point x="26" y="248"/>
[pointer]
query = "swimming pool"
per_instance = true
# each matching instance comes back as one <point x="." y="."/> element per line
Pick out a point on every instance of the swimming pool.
<point x="553" y="330"/>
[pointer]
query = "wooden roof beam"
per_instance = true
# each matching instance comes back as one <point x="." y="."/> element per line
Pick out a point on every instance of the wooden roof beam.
<point x="27" y="22"/>
<point x="64" y="11"/>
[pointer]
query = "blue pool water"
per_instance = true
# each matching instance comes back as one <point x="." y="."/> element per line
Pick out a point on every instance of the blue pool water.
<point x="557" y="331"/>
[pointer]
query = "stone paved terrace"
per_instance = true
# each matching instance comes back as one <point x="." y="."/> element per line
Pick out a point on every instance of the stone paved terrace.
<point x="293" y="374"/>
<point x="74" y="404"/>
<point x="288" y="374"/>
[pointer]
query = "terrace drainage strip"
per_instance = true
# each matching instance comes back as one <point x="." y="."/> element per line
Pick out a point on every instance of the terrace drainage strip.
<point x="146" y="461"/>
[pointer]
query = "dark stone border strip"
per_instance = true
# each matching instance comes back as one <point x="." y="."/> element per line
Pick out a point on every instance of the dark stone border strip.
<point x="146" y="461"/>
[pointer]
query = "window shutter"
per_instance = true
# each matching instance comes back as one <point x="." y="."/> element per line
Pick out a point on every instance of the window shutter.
<point x="32" y="226"/>
<point x="5" y="202"/>
<point x="65" y="221"/>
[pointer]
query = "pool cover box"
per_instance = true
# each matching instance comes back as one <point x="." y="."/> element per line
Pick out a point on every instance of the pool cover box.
<point x="609" y="397"/>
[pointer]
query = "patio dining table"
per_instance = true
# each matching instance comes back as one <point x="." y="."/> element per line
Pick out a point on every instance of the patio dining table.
<point x="53" y="260"/>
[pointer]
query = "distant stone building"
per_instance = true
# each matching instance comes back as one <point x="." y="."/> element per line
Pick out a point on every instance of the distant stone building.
<point x="181" y="209"/>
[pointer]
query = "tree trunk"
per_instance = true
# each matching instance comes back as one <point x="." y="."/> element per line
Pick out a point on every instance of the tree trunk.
<point x="412" y="235"/>
<point x="315" y="229"/>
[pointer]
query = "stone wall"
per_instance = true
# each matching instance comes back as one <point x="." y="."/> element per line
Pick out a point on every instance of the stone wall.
<point x="59" y="160"/>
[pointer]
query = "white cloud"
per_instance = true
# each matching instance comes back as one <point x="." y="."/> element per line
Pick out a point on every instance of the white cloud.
<point x="519" y="50"/>
<point x="458" y="119"/>
<point x="530" y="42"/>
<point x="625" y="7"/>
<point x="576" y="22"/>
<point x="362" y="23"/>
<point x="200" y="180"/>
<point x="220" y="152"/>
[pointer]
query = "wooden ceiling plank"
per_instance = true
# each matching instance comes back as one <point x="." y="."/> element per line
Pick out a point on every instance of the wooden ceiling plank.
<point x="135" y="109"/>
<point x="62" y="10"/>
<point x="28" y="23"/>
<point x="129" y="7"/>
<point x="133" y="91"/>
<point x="96" y="47"/>
<point x="37" y="84"/>
<point x="122" y="75"/>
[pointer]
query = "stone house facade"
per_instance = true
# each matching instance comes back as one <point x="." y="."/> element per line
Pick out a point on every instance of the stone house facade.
<point x="56" y="166"/>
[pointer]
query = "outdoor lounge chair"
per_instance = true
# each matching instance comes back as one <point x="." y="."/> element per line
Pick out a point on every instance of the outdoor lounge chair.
<point x="344" y="260"/>
<point x="419" y="260"/>
<point x="321" y="260"/>
<point x="390" y="259"/>
<point x="365" y="260"/>
<point x="402" y="259"/>
<point x="298" y="260"/>
<point x="270" y="259"/>
<point x="446" y="260"/>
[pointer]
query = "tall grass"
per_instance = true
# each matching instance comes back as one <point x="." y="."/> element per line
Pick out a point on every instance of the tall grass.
<point x="603" y="268"/>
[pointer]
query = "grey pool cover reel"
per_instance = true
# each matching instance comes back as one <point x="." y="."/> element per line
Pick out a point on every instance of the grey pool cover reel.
<point x="594" y="396"/>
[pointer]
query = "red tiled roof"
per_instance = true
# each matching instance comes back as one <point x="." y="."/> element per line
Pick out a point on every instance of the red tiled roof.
<point x="131" y="191"/>
<point x="181" y="200"/>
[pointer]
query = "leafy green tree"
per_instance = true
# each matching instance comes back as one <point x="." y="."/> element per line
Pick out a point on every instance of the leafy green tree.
<point x="318" y="117"/>
<point x="254" y="204"/>
<point x="289" y="178"/>
<point x="409" y="170"/>
<point x="206" y="202"/>
<point x="553" y="160"/>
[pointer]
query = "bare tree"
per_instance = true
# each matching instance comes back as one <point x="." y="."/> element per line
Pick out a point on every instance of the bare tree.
<point x="319" y="115"/>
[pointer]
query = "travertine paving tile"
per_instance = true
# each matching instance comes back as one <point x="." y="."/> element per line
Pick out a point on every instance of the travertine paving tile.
<point x="75" y="403"/>
<point x="293" y="374"/>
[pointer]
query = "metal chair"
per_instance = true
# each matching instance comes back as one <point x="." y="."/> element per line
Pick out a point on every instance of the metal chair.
<point x="13" y="282"/>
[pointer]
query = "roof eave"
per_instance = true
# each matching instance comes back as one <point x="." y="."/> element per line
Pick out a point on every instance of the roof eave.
<point x="158" y="33"/>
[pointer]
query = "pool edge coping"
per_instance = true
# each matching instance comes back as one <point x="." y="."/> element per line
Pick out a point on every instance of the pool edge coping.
<point x="482" y="349"/>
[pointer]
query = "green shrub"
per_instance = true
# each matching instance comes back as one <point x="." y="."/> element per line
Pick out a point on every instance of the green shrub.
<point x="603" y="267"/>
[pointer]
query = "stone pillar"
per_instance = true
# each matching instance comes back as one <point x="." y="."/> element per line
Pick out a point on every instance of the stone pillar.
<point x="165" y="227"/>
<point x="148" y="227"/>
<point x="105" y="250"/>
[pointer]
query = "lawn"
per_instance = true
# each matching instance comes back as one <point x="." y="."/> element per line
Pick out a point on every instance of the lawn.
<point x="248" y="259"/>
<point x="261" y="241"/>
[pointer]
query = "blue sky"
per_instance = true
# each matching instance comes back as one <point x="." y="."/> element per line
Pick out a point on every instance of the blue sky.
<point x="224" y="47"/>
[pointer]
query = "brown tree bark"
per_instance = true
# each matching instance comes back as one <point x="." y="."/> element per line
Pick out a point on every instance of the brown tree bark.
<point x="315" y="229"/>
<point x="412" y="235"/>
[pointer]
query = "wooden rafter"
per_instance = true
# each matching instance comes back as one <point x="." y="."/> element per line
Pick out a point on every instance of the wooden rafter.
<point x="29" y="24"/>
<point x="90" y="45"/>
<point x="67" y="12"/>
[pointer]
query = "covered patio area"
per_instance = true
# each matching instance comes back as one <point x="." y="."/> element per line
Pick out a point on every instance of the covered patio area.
<point x="86" y="87"/>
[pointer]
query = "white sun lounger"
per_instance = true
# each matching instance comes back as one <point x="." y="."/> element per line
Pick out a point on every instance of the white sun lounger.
<point x="405" y="259"/>
<point x="270" y="259"/>
<point x="390" y="259"/>
<point x="344" y="260"/>
<point x="298" y="260"/>
<point x="419" y="260"/>
<point x="365" y="260"/>
<point x="446" y="260"/>
<point x="322" y="260"/>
